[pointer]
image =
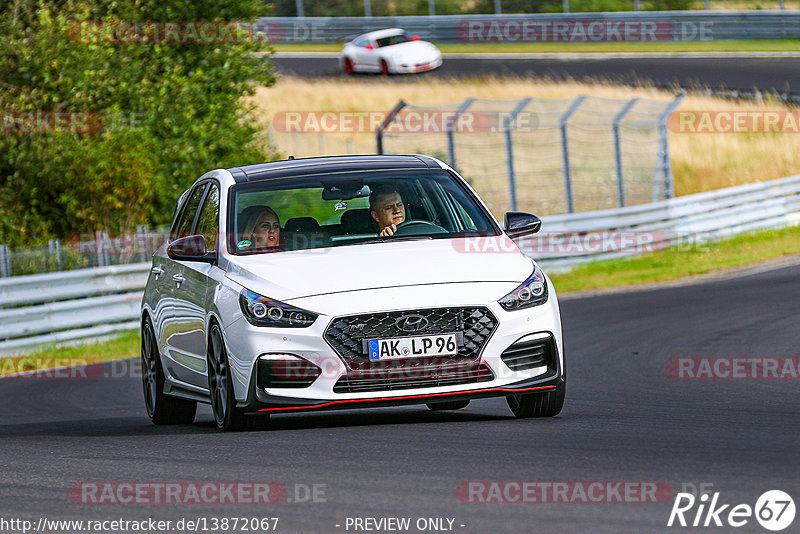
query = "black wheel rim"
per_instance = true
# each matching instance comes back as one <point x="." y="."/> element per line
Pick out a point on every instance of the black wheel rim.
<point x="218" y="376"/>
<point x="149" y="369"/>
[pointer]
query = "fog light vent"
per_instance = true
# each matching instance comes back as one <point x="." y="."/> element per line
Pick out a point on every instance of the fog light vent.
<point x="528" y="353"/>
<point x="286" y="371"/>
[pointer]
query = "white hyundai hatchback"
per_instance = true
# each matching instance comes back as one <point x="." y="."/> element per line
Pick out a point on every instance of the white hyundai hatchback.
<point x="345" y="282"/>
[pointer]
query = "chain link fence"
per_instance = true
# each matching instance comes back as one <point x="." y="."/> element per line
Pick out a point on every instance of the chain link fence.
<point x="88" y="250"/>
<point x="544" y="155"/>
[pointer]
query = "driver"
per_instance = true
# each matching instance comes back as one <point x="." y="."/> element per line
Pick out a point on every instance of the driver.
<point x="387" y="208"/>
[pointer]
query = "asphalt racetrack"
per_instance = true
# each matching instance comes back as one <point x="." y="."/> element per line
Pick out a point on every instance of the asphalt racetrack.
<point x="626" y="419"/>
<point x="768" y="73"/>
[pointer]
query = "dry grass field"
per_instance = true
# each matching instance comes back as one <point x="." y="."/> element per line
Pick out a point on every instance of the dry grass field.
<point x="701" y="161"/>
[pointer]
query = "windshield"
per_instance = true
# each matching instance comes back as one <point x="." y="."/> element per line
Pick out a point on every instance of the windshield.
<point x="392" y="40"/>
<point x="352" y="209"/>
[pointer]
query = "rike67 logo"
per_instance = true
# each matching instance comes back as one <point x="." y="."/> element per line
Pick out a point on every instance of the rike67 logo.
<point x="774" y="510"/>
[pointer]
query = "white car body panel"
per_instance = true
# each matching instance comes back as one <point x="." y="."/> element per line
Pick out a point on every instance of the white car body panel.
<point x="402" y="58"/>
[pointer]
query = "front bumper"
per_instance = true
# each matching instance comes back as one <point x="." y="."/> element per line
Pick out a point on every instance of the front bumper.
<point x="400" y="67"/>
<point x="260" y="402"/>
<point x="247" y="343"/>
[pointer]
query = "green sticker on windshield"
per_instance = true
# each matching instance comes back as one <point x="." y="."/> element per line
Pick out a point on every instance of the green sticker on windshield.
<point x="244" y="243"/>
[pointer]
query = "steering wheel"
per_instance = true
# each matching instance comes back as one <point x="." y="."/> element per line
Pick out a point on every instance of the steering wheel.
<point x="418" y="227"/>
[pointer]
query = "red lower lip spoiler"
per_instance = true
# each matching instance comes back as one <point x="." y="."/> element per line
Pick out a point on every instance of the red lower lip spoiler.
<point x="428" y="396"/>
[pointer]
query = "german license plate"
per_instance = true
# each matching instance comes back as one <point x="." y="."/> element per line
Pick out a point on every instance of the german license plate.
<point x="413" y="347"/>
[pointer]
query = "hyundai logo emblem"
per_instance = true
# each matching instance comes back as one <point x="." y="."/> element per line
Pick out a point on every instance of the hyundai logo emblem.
<point x="411" y="323"/>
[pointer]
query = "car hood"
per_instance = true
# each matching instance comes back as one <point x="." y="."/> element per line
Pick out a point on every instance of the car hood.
<point x="412" y="50"/>
<point x="303" y="273"/>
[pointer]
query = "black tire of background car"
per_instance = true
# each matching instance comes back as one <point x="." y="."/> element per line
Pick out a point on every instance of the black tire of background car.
<point x="162" y="409"/>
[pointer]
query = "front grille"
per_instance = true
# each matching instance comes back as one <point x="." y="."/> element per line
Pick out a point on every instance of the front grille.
<point x="423" y="376"/>
<point x="346" y="334"/>
<point x="529" y="354"/>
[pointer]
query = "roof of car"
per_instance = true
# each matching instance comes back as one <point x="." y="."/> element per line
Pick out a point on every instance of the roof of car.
<point x="377" y="34"/>
<point x="329" y="164"/>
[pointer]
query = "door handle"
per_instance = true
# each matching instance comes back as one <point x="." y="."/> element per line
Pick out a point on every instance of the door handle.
<point x="178" y="279"/>
<point x="158" y="271"/>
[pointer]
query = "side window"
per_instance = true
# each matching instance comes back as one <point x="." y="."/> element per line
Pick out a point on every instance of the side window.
<point x="184" y="227"/>
<point x="208" y="223"/>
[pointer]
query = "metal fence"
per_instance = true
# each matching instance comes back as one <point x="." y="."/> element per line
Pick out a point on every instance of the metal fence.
<point x="546" y="155"/>
<point x="638" y="26"/>
<point x="98" y="249"/>
<point x="51" y="308"/>
<point x="68" y="306"/>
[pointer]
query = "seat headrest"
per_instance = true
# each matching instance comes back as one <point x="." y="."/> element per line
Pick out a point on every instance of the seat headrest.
<point x="359" y="221"/>
<point x="302" y="224"/>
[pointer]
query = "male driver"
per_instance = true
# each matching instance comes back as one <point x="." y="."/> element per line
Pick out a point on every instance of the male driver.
<point x="387" y="208"/>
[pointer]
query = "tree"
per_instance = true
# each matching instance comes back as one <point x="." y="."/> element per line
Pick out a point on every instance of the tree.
<point x="101" y="131"/>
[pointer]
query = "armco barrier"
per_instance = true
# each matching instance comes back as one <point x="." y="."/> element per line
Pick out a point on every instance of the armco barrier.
<point x="683" y="220"/>
<point x="50" y="308"/>
<point x="557" y="27"/>
<point x="57" y="307"/>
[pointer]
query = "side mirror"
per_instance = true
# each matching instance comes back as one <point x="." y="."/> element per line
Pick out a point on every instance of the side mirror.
<point x="415" y="37"/>
<point x="369" y="47"/>
<point x="519" y="224"/>
<point x="190" y="248"/>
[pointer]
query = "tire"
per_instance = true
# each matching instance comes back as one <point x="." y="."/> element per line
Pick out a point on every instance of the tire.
<point x="220" y="387"/>
<point x="385" y="68"/>
<point x="348" y="66"/>
<point x="546" y="404"/>
<point x="162" y="409"/>
<point x="450" y="405"/>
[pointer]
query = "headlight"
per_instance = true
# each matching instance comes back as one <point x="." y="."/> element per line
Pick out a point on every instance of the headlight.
<point x="264" y="311"/>
<point x="531" y="292"/>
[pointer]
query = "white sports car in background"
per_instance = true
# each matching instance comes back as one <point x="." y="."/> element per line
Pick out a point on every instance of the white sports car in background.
<point x="389" y="51"/>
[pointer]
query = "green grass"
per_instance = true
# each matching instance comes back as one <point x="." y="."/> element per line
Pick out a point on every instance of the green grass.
<point x="679" y="262"/>
<point x="124" y="345"/>
<point x="662" y="266"/>
<point x="789" y="45"/>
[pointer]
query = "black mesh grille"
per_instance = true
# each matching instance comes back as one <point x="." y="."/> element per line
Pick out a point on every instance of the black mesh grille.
<point x="407" y="377"/>
<point x="529" y="354"/>
<point x="345" y="334"/>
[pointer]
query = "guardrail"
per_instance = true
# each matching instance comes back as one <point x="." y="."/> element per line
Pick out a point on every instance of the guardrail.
<point x="638" y="26"/>
<point x="42" y="309"/>
<point x="73" y="305"/>
<point x="567" y="240"/>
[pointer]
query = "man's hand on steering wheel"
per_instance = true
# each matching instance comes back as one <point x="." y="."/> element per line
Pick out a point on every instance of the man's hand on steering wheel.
<point x="408" y="227"/>
<point x="389" y="230"/>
